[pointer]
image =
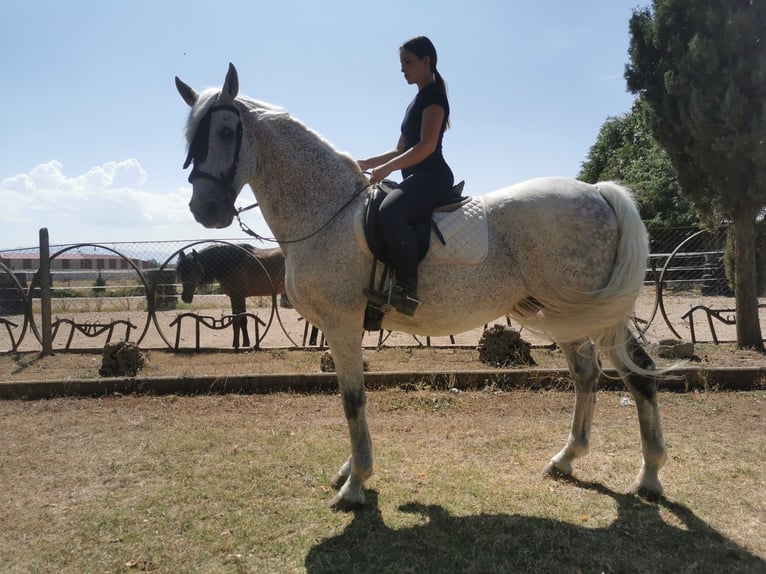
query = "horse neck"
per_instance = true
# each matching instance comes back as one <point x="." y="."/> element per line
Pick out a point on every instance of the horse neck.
<point x="301" y="181"/>
<point x="210" y="262"/>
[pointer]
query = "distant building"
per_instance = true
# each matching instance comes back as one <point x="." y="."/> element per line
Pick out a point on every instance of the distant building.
<point x="30" y="261"/>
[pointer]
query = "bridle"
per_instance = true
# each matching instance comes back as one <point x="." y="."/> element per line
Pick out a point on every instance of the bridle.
<point x="198" y="154"/>
<point x="199" y="147"/>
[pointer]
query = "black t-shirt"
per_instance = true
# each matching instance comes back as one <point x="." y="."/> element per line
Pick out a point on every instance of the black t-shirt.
<point x="413" y="118"/>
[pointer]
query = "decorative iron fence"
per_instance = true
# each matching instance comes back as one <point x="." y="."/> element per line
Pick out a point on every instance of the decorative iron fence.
<point x="228" y="294"/>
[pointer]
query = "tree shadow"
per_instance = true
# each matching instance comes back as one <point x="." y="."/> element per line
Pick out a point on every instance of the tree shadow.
<point x="639" y="540"/>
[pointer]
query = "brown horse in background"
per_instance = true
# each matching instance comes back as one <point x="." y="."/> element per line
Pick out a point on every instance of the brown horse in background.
<point x="241" y="270"/>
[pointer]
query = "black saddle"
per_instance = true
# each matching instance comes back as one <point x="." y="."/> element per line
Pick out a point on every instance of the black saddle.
<point x="422" y="225"/>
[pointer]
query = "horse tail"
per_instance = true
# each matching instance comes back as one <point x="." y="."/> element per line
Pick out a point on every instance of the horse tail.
<point x="603" y="315"/>
<point x="628" y="274"/>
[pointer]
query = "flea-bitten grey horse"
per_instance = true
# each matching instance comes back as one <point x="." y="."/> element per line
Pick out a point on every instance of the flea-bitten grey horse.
<point x="564" y="257"/>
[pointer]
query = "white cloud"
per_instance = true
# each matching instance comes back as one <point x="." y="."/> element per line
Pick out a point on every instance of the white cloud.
<point x="106" y="203"/>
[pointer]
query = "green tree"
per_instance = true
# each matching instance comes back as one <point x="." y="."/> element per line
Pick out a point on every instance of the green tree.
<point x="626" y="151"/>
<point x="701" y="68"/>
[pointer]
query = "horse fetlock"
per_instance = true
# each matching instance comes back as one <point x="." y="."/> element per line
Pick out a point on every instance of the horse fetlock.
<point x="576" y="449"/>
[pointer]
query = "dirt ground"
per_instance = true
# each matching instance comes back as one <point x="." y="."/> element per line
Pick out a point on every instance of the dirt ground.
<point x="63" y="366"/>
<point x="285" y="346"/>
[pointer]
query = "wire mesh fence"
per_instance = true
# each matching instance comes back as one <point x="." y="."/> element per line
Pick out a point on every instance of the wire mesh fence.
<point x="207" y="294"/>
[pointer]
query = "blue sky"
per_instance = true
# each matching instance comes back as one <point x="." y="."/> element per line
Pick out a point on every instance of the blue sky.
<point x="92" y="126"/>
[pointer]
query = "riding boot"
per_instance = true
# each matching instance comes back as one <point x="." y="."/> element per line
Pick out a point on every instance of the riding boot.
<point x="403" y="296"/>
<point x="405" y="263"/>
<point x="403" y="248"/>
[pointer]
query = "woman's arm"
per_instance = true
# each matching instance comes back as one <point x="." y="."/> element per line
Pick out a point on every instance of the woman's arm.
<point x="377" y="160"/>
<point x="430" y="126"/>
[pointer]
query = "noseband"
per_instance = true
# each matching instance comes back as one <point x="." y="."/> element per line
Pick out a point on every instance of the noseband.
<point x="199" y="148"/>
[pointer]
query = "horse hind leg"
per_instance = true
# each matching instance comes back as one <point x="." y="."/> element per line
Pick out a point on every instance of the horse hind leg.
<point x="239" y="322"/>
<point x="584" y="370"/>
<point x="644" y="390"/>
<point x="243" y="330"/>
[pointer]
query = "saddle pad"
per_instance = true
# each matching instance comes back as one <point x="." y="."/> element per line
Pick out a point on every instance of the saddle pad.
<point x="466" y="235"/>
<point x="464" y="230"/>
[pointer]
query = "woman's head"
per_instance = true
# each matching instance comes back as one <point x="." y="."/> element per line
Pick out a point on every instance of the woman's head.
<point x="421" y="47"/>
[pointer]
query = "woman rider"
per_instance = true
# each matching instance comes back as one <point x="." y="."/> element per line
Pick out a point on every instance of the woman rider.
<point x="427" y="179"/>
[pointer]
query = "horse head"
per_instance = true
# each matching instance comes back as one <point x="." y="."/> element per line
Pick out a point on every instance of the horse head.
<point x="189" y="273"/>
<point x="214" y="134"/>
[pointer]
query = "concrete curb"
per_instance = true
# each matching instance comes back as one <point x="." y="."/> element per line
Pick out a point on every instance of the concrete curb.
<point x="683" y="380"/>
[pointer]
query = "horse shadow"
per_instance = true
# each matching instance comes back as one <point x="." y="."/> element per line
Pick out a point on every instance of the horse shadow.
<point x="500" y="543"/>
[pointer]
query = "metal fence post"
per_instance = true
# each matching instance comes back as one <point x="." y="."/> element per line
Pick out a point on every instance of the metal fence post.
<point x="45" y="291"/>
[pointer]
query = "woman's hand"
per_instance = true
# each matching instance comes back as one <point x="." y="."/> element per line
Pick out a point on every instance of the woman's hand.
<point x="379" y="173"/>
<point x="366" y="164"/>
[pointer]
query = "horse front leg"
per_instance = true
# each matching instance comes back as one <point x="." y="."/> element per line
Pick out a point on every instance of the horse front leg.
<point x="584" y="369"/>
<point x="346" y="349"/>
<point x="644" y="391"/>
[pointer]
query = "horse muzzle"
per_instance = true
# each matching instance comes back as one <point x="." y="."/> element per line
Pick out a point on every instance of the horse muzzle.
<point x="213" y="211"/>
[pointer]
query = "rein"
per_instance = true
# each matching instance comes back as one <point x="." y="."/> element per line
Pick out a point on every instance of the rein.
<point x="243" y="226"/>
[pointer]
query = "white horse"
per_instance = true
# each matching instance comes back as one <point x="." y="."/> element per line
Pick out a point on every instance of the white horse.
<point x="564" y="257"/>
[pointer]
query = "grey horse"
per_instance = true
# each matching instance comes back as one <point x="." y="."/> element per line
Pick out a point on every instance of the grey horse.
<point x="564" y="257"/>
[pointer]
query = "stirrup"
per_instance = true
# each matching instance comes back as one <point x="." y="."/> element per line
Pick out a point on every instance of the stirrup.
<point x="396" y="299"/>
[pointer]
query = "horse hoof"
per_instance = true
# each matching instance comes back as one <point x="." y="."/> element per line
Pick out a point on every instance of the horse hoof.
<point x="341" y="504"/>
<point x="647" y="493"/>
<point x="555" y="473"/>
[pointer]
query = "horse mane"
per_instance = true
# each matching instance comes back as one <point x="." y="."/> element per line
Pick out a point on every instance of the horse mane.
<point x="264" y="112"/>
<point x="269" y="112"/>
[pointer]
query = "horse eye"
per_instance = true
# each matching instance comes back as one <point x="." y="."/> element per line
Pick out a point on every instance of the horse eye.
<point x="226" y="133"/>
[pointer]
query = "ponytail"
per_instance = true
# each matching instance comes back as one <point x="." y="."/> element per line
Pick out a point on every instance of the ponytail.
<point x="441" y="83"/>
<point x="440" y="80"/>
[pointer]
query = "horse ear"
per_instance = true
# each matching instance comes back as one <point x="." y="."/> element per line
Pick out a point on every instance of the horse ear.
<point x="230" y="84"/>
<point x="187" y="92"/>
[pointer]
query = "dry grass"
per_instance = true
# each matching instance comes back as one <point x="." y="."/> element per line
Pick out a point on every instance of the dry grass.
<point x="239" y="484"/>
